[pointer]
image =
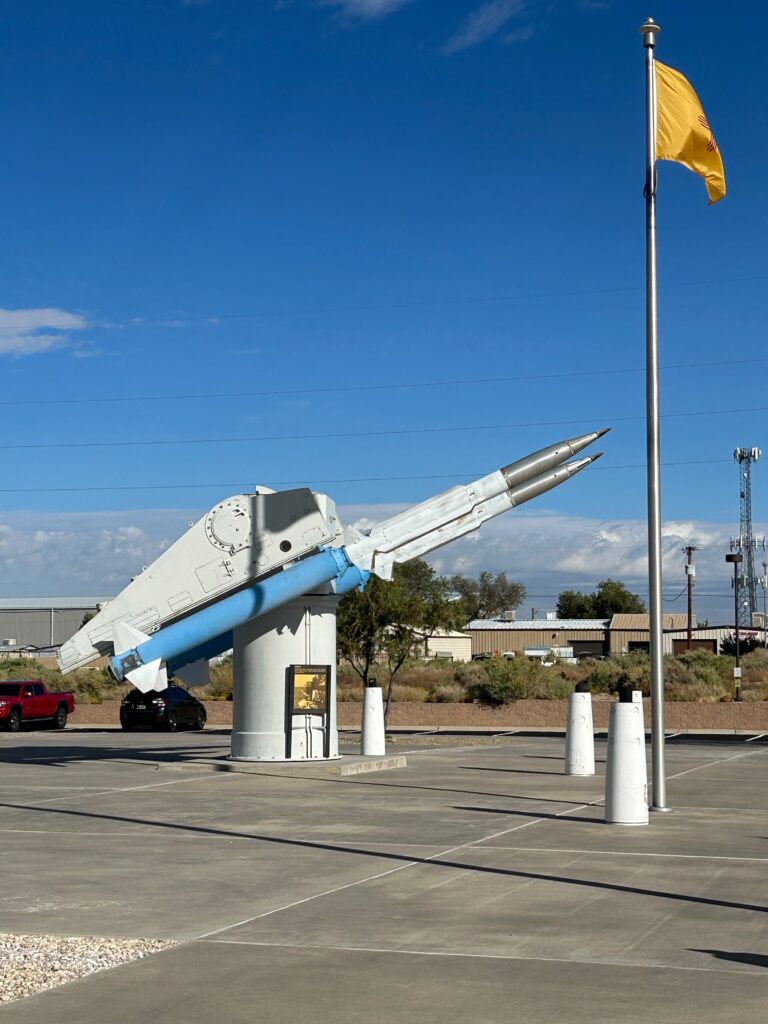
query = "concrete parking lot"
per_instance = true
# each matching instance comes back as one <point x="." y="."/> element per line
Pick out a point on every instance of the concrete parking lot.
<point x="476" y="884"/>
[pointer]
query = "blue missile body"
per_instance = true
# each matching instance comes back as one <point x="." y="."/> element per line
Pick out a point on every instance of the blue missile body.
<point x="351" y="578"/>
<point x="187" y="635"/>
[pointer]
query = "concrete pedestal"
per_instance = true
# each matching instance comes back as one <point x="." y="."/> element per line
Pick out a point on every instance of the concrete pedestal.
<point x="302" y="632"/>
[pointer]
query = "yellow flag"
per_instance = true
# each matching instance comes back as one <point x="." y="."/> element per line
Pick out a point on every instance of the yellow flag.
<point x="683" y="133"/>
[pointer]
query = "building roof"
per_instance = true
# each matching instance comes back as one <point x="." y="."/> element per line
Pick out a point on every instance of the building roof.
<point x="449" y="634"/>
<point x="539" y="624"/>
<point x="670" y="620"/>
<point x="25" y="603"/>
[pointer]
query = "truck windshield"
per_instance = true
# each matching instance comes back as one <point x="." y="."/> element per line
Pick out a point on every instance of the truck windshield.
<point x="9" y="689"/>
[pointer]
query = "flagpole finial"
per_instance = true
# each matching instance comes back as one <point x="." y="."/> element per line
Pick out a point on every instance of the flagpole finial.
<point x="649" y="30"/>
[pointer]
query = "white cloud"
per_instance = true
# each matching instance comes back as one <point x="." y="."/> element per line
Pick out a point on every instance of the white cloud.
<point x="365" y="10"/>
<point x="45" y="554"/>
<point x="483" y="23"/>
<point x="25" y="332"/>
<point x="550" y="552"/>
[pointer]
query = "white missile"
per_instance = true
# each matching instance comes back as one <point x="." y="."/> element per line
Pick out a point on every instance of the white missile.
<point x="251" y="553"/>
<point x="462" y="509"/>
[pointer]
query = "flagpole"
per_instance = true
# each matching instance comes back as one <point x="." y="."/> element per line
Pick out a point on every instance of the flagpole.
<point x="653" y="447"/>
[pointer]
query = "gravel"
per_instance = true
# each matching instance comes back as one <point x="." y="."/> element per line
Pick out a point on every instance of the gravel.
<point x="32" y="963"/>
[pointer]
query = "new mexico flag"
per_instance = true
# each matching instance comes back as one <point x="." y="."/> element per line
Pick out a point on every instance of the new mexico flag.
<point x="683" y="133"/>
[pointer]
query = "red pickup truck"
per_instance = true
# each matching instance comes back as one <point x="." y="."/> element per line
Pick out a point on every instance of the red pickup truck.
<point x="28" y="700"/>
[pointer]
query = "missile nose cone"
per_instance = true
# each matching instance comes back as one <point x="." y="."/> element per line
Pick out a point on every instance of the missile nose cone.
<point x="576" y="444"/>
<point x="576" y="467"/>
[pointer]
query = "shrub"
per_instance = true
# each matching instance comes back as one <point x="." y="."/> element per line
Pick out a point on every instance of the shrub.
<point x="348" y="691"/>
<point x="447" y="693"/>
<point x="605" y="676"/>
<point x="500" y="682"/>
<point x="407" y="694"/>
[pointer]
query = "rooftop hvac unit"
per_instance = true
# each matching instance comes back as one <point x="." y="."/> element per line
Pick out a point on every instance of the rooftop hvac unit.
<point x="510" y="615"/>
<point x="10" y="642"/>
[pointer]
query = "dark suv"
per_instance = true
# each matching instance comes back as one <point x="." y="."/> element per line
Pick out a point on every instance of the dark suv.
<point x="169" y="709"/>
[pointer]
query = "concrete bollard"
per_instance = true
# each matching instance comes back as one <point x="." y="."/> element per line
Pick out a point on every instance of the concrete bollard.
<point x="579" y="735"/>
<point x="372" y="737"/>
<point x="626" y="778"/>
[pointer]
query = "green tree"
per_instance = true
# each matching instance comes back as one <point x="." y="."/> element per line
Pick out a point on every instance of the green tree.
<point x="488" y="596"/>
<point x="382" y="624"/>
<point x="572" y="604"/>
<point x="609" y="598"/>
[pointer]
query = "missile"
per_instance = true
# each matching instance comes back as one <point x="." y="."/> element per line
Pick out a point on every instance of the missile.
<point x="142" y="659"/>
<point x="464" y="508"/>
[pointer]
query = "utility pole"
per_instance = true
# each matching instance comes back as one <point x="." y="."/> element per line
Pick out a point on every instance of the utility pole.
<point x="690" y="572"/>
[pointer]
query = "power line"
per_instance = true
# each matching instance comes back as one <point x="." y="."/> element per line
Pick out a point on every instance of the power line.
<point x="408" y="431"/>
<point x="215" y="318"/>
<point x="472" y="475"/>
<point x="344" y="389"/>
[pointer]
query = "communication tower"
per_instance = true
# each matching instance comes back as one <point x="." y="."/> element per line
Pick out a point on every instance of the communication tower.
<point x="746" y="543"/>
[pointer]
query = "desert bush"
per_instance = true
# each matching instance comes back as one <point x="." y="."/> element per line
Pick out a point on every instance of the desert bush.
<point x="605" y="676"/>
<point x="496" y="682"/>
<point x="549" y="686"/>
<point x="703" y="665"/>
<point x="447" y="693"/>
<point x="754" y="668"/>
<point x="89" y="685"/>
<point x="349" y="691"/>
<point x="468" y="672"/>
<point x="407" y="694"/>
<point x="220" y="682"/>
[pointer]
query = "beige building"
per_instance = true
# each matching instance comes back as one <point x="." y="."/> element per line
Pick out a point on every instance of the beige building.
<point x="450" y="644"/>
<point x="496" y="636"/>
<point x="631" y="632"/>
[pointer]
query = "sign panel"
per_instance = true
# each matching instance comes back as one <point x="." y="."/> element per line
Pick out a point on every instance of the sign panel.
<point x="310" y="685"/>
<point x="308" y="692"/>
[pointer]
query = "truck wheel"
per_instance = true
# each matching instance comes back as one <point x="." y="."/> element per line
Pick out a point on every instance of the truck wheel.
<point x="60" y="718"/>
<point x="13" y="722"/>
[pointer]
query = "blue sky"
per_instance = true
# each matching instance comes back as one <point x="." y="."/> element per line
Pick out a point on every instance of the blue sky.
<point x="279" y="199"/>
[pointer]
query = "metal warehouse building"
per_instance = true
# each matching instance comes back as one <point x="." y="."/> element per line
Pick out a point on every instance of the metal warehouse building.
<point x="585" y="636"/>
<point x="631" y="632"/>
<point x="42" y="621"/>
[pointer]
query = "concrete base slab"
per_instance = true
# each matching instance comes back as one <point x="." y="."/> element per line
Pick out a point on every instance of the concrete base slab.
<point x="473" y="883"/>
<point x="347" y="764"/>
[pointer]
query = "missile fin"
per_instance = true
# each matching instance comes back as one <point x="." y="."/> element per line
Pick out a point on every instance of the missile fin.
<point x="152" y="676"/>
<point x="125" y="636"/>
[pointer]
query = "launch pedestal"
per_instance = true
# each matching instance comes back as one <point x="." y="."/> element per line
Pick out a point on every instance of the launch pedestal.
<point x="284" y="697"/>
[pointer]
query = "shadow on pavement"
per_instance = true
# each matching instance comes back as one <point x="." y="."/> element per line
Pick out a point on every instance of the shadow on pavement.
<point x="514" y="771"/>
<point x="58" y="758"/>
<point x="535" y="814"/>
<point x="432" y="862"/>
<point x="753" y="959"/>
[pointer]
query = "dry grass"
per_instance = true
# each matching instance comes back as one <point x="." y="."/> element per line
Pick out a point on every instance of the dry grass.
<point x="696" y="676"/>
